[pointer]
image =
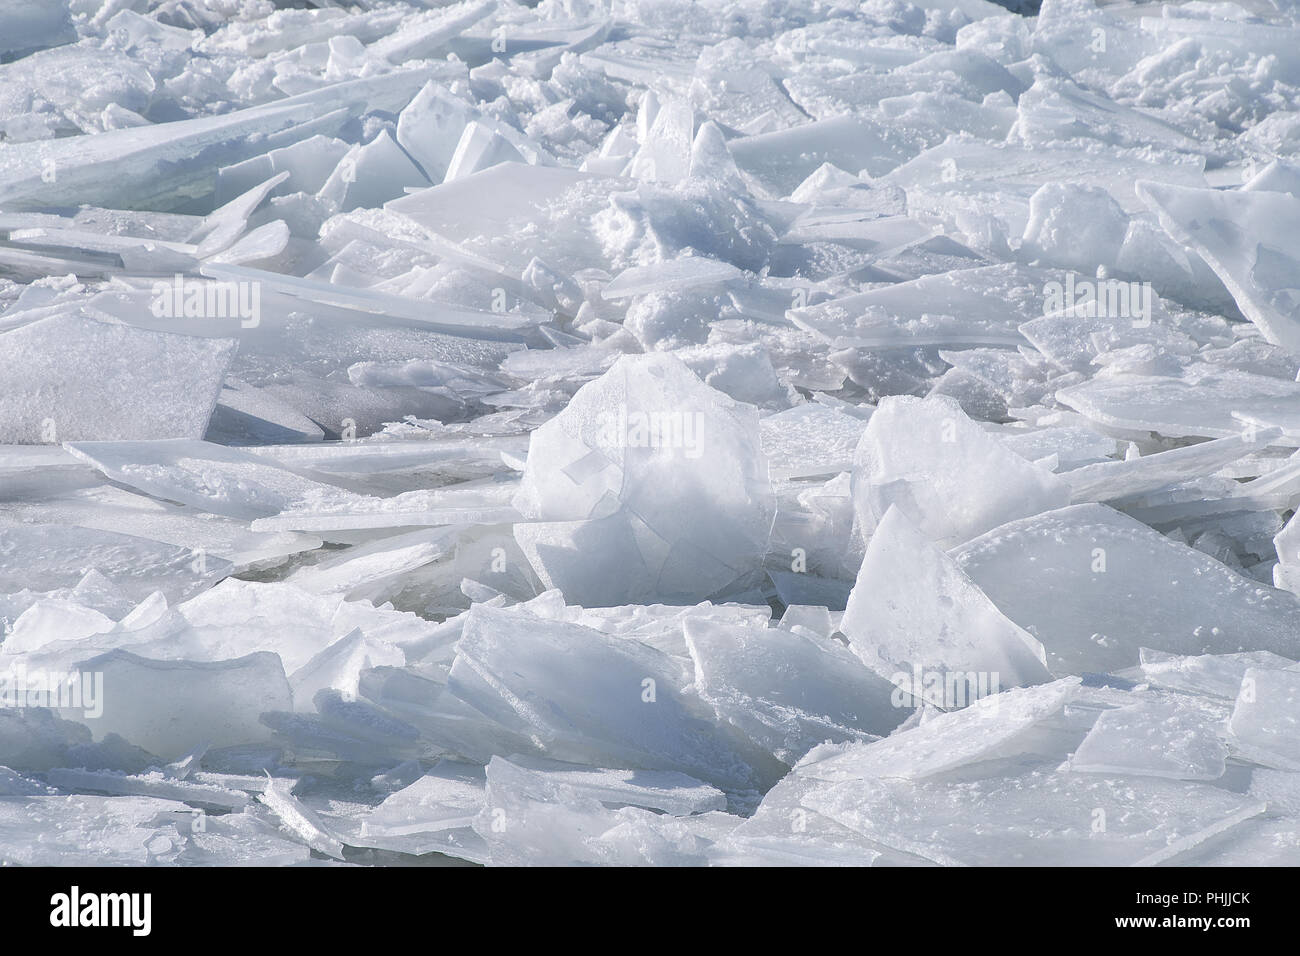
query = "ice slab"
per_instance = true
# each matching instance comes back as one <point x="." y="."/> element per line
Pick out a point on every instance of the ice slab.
<point x="1153" y="738"/>
<point x="783" y="159"/>
<point x="1135" y="476"/>
<point x="782" y="832"/>
<point x="148" y="385"/>
<point x="59" y="556"/>
<point x="968" y="307"/>
<point x="83" y="830"/>
<point x="1244" y="236"/>
<point x="810" y="440"/>
<point x="607" y="481"/>
<point x="1037" y="819"/>
<point x="531" y="818"/>
<point x="166" y="165"/>
<point x="213" y="478"/>
<point x="172" y="707"/>
<point x="1001" y="725"/>
<point x="788" y="690"/>
<point x="675" y="794"/>
<point x="953" y="479"/>
<point x="584" y="697"/>
<point x="1205" y="675"/>
<point x="917" y="620"/>
<point x="1204" y="400"/>
<point x="669" y="276"/>
<point x="1265" y="718"/>
<point x="1104" y="589"/>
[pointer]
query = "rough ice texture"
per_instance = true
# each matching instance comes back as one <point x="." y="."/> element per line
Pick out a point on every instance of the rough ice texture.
<point x="643" y="433"/>
<point x="69" y="378"/>
<point x="648" y="484"/>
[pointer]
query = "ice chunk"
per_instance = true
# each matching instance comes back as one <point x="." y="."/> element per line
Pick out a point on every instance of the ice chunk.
<point x="171" y="707"/>
<point x="1134" y="476"/>
<point x="786" y="689"/>
<point x="429" y="128"/>
<point x="299" y="821"/>
<point x="1104" y="588"/>
<point x="1208" y="675"/>
<point x="371" y="175"/>
<point x="1153" y="738"/>
<point x="1205" y="400"/>
<point x="533" y="819"/>
<point x="58" y="556"/>
<point x="434" y="814"/>
<point x="588" y="698"/>
<point x="339" y="666"/>
<point x="153" y="784"/>
<point x="166" y="165"/>
<point x="669" y="276"/>
<point x="953" y="479"/>
<point x="1004" y="725"/>
<point x="1265" y="724"/>
<point x="608" y="482"/>
<point x="220" y="229"/>
<point x="1079" y="227"/>
<point x="147" y="385"/>
<point x="782" y="832"/>
<point x="675" y="794"/>
<point x="918" y="621"/>
<point x="1245" y="237"/>
<point x="479" y="148"/>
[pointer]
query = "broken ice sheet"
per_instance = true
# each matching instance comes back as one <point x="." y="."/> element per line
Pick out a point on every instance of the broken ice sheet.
<point x="1153" y="738"/>
<point x="83" y="830"/>
<point x="1203" y="401"/>
<point x="464" y="226"/>
<point x="433" y="814"/>
<point x="1036" y="819"/>
<point x="918" y="621"/>
<point x="1010" y="724"/>
<point x="951" y="477"/>
<point x="1110" y="586"/>
<point x="607" y="483"/>
<point x="612" y="701"/>
<point x="1265" y="719"/>
<point x="50" y="556"/>
<point x="1211" y="675"/>
<point x="788" y="690"/>
<point x="147" y="385"/>
<point x="969" y="307"/>
<point x="209" y="477"/>
<point x="554" y="822"/>
<point x="810" y="440"/>
<point x="1244" y="236"/>
<point x="171" y="707"/>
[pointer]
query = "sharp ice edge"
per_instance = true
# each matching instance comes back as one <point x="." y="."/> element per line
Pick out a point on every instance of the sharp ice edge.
<point x="610" y="432"/>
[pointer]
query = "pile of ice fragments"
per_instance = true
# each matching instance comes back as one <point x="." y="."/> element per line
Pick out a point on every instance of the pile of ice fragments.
<point x="649" y="432"/>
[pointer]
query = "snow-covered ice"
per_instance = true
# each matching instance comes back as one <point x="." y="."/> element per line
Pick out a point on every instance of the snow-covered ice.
<point x="631" y="432"/>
